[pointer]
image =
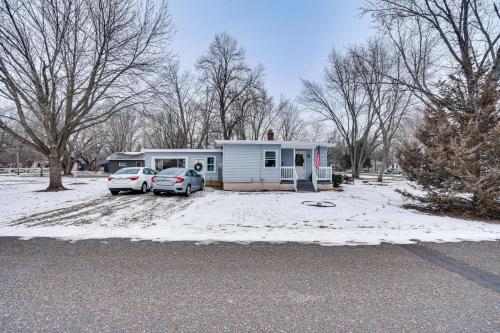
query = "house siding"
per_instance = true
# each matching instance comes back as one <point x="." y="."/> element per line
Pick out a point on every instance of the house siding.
<point x="245" y="164"/>
<point x="287" y="158"/>
<point x="190" y="156"/>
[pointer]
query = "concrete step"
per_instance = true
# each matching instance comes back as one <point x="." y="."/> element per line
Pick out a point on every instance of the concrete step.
<point x="305" y="186"/>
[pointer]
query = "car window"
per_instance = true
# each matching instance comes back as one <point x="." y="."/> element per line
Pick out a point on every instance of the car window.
<point x="195" y="174"/>
<point x="171" y="172"/>
<point x="152" y="172"/>
<point x="127" y="171"/>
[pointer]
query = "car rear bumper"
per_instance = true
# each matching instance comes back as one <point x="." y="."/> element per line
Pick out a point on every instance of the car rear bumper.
<point x="125" y="186"/>
<point x="176" y="188"/>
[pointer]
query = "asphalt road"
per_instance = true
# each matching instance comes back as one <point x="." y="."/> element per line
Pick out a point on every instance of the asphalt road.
<point x="119" y="285"/>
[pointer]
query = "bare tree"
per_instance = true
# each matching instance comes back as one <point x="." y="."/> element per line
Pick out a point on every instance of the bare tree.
<point x="290" y="125"/>
<point x="389" y="101"/>
<point x="439" y="36"/>
<point x="343" y="100"/>
<point x="176" y="91"/>
<point x="224" y="70"/>
<point x="68" y="65"/>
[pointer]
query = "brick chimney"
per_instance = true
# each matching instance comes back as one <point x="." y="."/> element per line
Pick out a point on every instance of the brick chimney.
<point x="270" y="135"/>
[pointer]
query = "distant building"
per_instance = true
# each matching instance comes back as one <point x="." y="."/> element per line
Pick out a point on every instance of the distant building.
<point x="124" y="159"/>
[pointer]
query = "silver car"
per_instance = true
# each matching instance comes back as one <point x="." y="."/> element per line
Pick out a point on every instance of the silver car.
<point x="177" y="180"/>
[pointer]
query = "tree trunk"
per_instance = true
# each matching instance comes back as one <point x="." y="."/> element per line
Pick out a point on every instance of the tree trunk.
<point x="385" y="156"/>
<point x="68" y="165"/>
<point x="55" y="182"/>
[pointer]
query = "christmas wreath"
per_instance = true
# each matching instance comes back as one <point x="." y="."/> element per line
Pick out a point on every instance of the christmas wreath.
<point x="198" y="166"/>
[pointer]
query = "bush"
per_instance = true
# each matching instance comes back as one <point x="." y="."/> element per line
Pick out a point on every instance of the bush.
<point x="337" y="180"/>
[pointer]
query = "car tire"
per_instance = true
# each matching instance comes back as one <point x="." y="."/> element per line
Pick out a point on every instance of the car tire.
<point x="144" y="188"/>
<point x="188" y="191"/>
<point x="156" y="192"/>
<point x="202" y="186"/>
<point x="114" y="192"/>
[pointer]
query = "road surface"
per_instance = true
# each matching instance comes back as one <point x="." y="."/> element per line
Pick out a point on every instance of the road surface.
<point x="119" y="285"/>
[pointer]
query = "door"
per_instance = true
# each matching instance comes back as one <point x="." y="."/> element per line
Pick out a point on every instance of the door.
<point x="300" y="164"/>
<point x="199" y="165"/>
<point x="195" y="180"/>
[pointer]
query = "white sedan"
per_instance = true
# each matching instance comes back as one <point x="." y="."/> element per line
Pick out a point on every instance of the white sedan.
<point x="131" y="179"/>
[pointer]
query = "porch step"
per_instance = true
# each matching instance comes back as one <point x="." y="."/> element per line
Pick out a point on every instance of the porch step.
<point x="305" y="186"/>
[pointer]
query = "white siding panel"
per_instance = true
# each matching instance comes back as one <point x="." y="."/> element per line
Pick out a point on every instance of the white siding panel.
<point x="245" y="163"/>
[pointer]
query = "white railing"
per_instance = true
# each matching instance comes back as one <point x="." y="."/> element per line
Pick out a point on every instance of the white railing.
<point x="295" y="178"/>
<point x="287" y="173"/>
<point x="324" y="173"/>
<point x="314" y="179"/>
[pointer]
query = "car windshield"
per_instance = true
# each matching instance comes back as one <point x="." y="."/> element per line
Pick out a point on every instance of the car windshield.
<point x="171" y="172"/>
<point x="127" y="171"/>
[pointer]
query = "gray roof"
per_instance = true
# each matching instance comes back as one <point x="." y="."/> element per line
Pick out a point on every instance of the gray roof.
<point x="126" y="156"/>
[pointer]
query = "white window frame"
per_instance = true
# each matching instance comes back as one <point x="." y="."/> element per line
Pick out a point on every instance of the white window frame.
<point x="215" y="164"/>
<point x="175" y="157"/>
<point x="275" y="158"/>
<point x="122" y="164"/>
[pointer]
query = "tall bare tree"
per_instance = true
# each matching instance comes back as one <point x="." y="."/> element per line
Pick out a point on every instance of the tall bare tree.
<point x="343" y="100"/>
<point x="438" y="37"/>
<point x="225" y="72"/>
<point x="290" y="125"/>
<point x="389" y="101"/>
<point x="178" y="112"/>
<point x="68" y="65"/>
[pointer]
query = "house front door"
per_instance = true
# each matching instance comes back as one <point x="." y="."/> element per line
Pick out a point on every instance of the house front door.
<point x="300" y="164"/>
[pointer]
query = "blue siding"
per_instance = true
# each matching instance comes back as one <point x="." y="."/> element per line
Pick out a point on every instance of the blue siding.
<point x="190" y="156"/>
<point x="245" y="164"/>
<point x="287" y="158"/>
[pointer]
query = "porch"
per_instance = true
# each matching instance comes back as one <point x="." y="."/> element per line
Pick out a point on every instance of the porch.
<point x="298" y="167"/>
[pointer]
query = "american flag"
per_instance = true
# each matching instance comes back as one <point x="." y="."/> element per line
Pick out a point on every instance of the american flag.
<point x="317" y="158"/>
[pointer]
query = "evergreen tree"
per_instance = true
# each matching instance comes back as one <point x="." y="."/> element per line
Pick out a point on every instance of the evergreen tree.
<point x="457" y="154"/>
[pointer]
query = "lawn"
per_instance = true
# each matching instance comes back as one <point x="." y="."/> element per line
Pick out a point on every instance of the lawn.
<point x="365" y="213"/>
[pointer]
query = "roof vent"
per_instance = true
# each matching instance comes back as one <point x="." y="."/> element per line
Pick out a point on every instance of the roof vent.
<point x="270" y="135"/>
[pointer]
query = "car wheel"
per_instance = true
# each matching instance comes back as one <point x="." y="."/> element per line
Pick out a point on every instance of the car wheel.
<point x="144" y="187"/>
<point x="156" y="192"/>
<point x="202" y="186"/>
<point x="114" y="192"/>
<point x="188" y="191"/>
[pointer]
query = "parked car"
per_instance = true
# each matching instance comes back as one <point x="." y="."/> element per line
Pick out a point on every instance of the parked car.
<point x="131" y="179"/>
<point x="178" y="180"/>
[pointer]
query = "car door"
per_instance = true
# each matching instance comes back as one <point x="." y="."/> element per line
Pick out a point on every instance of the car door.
<point x="148" y="176"/>
<point x="195" y="179"/>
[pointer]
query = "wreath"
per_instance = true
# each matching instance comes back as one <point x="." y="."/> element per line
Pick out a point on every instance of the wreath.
<point x="198" y="166"/>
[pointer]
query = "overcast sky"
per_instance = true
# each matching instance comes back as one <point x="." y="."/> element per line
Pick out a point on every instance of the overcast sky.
<point x="291" y="38"/>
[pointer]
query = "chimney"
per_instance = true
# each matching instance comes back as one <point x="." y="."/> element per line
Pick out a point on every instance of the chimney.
<point x="270" y="135"/>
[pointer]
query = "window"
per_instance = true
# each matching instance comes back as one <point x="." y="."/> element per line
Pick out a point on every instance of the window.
<point x="270" y="158"/>
<point x="122" y="164"/>
<point x="211" y="164"/>
<point x="192" y="173"/>
<point x="165" y="163"/>
<point x="127" y="171"/>
<point x="138" y="164"/>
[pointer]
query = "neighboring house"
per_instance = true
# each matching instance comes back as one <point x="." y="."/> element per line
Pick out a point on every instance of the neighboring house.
<point x="125" y="159"/>
<point x="253" y="165"/>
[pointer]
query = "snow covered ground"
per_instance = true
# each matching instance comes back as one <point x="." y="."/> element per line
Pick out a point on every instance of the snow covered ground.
<point x="365" y="213"/>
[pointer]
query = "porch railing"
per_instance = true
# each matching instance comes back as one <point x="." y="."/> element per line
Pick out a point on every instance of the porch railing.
<point x="314" y="178"/>
<point x="324" y="173"/>
<point x="295" y="178"/>
<point x="287" y="173"/>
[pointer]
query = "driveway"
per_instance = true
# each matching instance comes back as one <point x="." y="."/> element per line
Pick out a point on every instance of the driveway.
<point x="119" y="285"/>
